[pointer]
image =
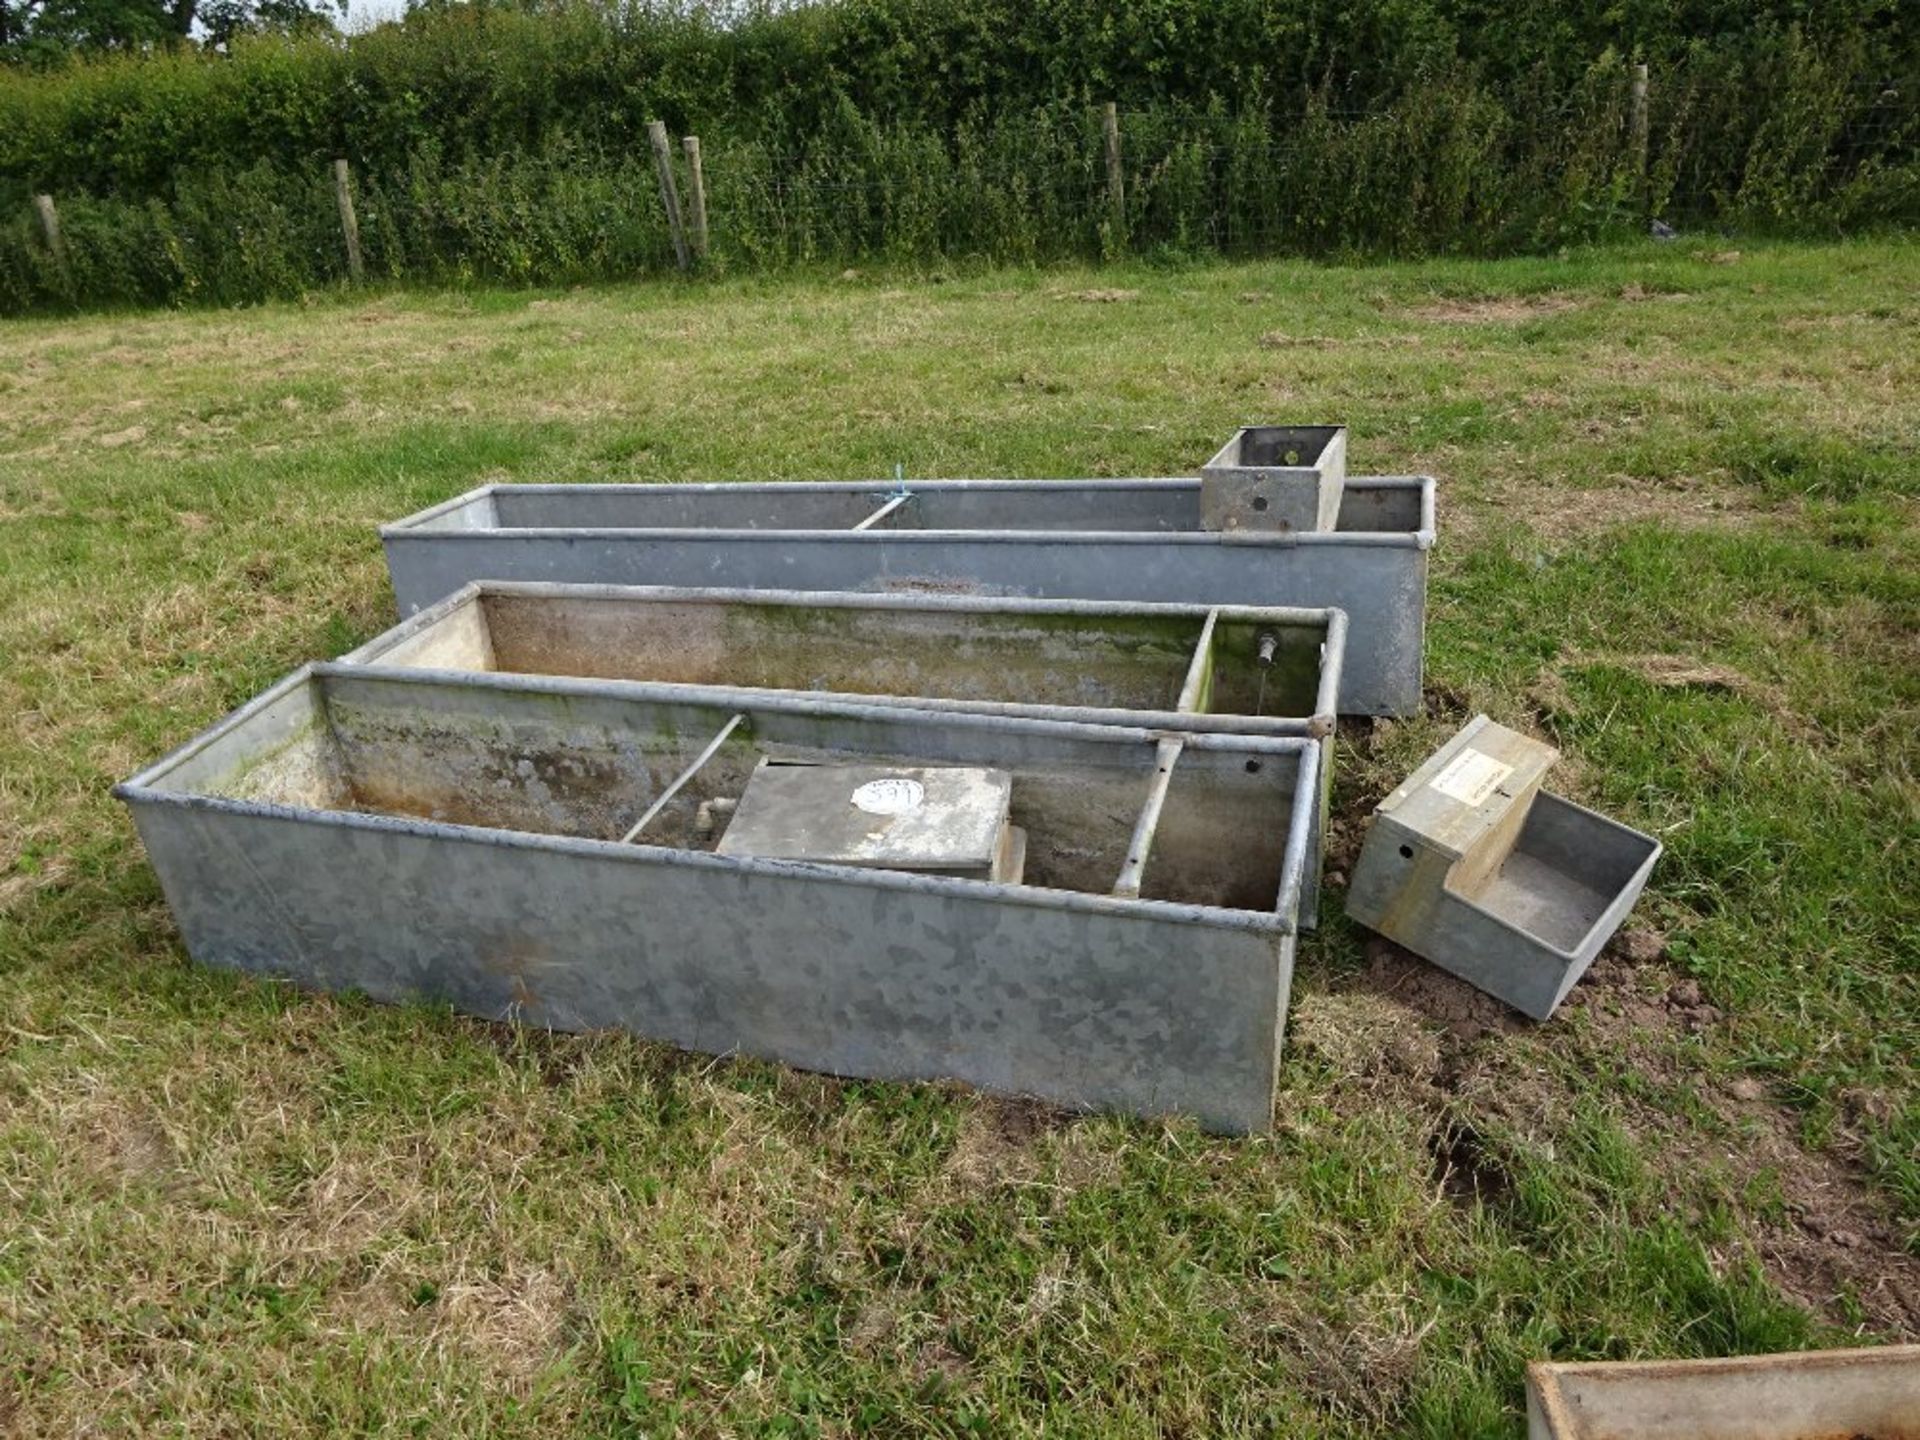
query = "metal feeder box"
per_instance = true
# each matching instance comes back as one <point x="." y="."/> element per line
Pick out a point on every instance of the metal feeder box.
<point x="1473" y="866"/>
<point x="1101" y="540"/>
<point x="1809" y="1395"/>
<point x="578" y="857"/>
<point x="1276" y="477"/>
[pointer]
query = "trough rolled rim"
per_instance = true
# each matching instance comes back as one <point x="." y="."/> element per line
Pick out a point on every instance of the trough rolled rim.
<point x="1329" y="619"/>
<point x="412" y="527"/>
<point x="1637" y="1370"/>
<point x="140" y="789"/>
<point x="934" y="600"/>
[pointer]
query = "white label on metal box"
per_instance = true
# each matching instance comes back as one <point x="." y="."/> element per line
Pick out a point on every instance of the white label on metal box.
<point x="894" y="795"/>
<point x="1470" y="777"/>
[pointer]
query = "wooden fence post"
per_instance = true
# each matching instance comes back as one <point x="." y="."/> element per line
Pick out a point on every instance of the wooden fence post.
<point x="50" y="229"/>
<point x="696" y="195"/>
<point x="1116" y="181"/>
<point x="1637" y="135"/>
<point x="349" y="223"/>
<point x="669" y="192"/>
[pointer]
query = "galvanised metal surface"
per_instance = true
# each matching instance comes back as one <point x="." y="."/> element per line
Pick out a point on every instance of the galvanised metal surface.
<point x="1114" y="540"/>
<point x="447" y="837"/>
<point x="1798" y="1396"/>
<point x="1164" y="667"/>
<point x="1276" y="477"/>
<point x="1173" y="667"/>
<point x="1474" y="867"/>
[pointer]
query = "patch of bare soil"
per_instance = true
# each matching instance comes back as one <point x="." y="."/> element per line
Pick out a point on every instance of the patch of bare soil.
<point x="1461" y="1011"/>
<point x="1412" y="1035"/>
<point x="1836" y="1237"/>
<point x="1495" y="310"/>
<point x="1097" y="297"/>
<point x="1000" y="1142"/>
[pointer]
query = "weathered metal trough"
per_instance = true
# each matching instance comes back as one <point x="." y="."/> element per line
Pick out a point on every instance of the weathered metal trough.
<point x="538" y="849"/>
<point x="1111" y="540"/>
<point x="1806" y="1395"/>
<point x="1273" y="671"/>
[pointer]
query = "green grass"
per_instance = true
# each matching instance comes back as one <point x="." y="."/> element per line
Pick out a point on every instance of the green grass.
<point x="1678" y="538"/>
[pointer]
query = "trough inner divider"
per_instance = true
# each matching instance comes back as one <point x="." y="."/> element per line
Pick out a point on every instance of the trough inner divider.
<point x="680" y="780"/>
<point x="1138" y="848"/>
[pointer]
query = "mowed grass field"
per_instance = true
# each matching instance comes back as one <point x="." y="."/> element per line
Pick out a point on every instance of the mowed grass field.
<point x="1678" y="539"/>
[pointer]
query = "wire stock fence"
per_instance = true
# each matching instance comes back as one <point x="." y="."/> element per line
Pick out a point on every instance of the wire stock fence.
<point x="1447" y="168"/>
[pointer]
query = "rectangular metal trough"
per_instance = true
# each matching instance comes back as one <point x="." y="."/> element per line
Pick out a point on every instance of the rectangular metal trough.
<point x="462" y="838"/>
<point x="1807" y="1395"/>
<point x="1109" y="540"/>
<point x="1273" y="671"/>
<point x="1237" y="669"/>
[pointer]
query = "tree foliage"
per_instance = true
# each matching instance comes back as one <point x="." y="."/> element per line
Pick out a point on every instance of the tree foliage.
<point x="43" y="32"/>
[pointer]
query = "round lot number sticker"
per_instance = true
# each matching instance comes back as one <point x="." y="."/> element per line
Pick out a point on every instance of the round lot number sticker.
<point x="894" y="795"/>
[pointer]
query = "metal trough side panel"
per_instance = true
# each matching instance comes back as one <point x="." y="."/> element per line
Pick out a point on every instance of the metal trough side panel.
<point x="1493" y="954"/>
<point x="786" y="963"/>
<point x="1174" y="667"/>
<point x="1378" y="577"/>
<point x="1808" y="1395"/>
<point x="1064" y="995"/>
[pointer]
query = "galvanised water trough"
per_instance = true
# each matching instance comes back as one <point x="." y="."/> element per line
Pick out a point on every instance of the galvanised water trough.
<point x="524" y="848"/>
<point x="1114" y="540"/>
<point x="1871" y="1394"/>
<point x="1253" y="671"/>
<point x="1239" y="669"/>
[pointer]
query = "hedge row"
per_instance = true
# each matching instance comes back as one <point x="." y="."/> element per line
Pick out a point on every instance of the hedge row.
<point x="509" y="145"/>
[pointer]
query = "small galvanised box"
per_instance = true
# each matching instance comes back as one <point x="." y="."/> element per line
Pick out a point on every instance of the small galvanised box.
<point x="1473" y="866"/>
<point x="555" y="852"/>
<point x="1871" y="1394"/>
<point x="1276" y="477"/>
